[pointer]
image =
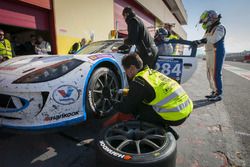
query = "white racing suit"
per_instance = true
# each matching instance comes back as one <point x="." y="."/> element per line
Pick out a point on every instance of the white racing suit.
<point x="164" y="48"/>
<point x="215" y="55"/>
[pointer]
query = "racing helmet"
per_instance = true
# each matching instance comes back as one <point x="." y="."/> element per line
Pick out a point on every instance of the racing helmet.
<point x="161" y="34"/>
<point x="208" y="17"/>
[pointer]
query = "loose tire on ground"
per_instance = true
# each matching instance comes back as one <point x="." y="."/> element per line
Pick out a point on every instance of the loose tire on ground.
<point x="135" y="144"/>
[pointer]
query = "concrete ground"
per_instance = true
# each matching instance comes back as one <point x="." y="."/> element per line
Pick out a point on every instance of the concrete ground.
<point x="207" y="138"/>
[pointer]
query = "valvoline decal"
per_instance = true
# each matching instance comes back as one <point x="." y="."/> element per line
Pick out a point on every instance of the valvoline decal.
<point x="66" y="94"/>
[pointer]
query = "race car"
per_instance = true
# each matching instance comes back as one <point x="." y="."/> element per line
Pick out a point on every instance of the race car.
<point x="47" y="91"/>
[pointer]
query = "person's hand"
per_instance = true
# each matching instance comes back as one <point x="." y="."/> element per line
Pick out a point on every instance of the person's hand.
<point x="198" y="42"/>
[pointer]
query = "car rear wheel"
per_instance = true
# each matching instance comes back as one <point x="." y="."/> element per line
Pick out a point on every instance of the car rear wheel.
<point x="135" y="144"/>
<point x="100" y="91"/>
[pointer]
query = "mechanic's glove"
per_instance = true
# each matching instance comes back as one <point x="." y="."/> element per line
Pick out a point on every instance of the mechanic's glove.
<point x="123" y="48"/>
<point x="198" y="42"/>
<point x="123" y="92"/>
<point x="118" y="117"/>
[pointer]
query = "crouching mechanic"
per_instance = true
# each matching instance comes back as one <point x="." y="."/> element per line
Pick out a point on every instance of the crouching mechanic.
<point x="152" y="97"/>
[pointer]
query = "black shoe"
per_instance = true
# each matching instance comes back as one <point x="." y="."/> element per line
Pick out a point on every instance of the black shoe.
<point x="215" y="98"/>
<point x="211" y="95"/>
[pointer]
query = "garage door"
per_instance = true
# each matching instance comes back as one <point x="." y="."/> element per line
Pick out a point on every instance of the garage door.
<point x="147" y="18"/>
<point x="23" y="15"/>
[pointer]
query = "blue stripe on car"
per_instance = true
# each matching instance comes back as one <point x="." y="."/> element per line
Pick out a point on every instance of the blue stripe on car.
<point x="54" y="125"/>
<point x="4" y="110"/>
<point x="88" y="77"/>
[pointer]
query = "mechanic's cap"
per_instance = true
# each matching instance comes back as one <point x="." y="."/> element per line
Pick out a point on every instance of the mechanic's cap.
<point x="128" y="10"/>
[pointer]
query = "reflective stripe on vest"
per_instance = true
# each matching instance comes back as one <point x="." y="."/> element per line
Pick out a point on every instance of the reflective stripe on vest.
<point x="5" y="49"/>
<point x="176" y="93"/>
<point x="171" y="101"/>
<point x="175" y="109"/>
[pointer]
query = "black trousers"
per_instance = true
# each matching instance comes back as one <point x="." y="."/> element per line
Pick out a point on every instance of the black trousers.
<point x="148" y="114"/>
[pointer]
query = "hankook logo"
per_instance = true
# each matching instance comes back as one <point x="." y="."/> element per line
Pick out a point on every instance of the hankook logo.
<point x="61" y="116"/>
<point x="114" y="153"/>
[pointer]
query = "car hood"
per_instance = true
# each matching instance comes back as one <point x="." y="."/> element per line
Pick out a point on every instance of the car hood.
<point x="23" y="65"/>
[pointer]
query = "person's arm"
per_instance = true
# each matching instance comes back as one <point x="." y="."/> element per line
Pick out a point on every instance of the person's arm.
<point x="133" y="33"/>
<point x="135" y="96"/>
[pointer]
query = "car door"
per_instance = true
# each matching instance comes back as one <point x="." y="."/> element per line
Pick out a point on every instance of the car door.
<point x="181" y="63"/>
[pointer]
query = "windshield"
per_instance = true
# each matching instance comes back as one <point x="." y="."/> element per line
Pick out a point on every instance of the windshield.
<point x="101" y="47"/>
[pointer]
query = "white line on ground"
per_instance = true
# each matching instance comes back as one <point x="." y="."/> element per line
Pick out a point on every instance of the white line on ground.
<point x="239" y="71"/>
<point x="242" y="133"/>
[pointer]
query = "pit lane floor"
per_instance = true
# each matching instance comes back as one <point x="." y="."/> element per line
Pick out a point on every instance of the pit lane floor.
<point x="207" y="138"/>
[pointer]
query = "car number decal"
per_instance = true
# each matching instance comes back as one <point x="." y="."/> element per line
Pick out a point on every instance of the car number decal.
<point x="170" y="67"/>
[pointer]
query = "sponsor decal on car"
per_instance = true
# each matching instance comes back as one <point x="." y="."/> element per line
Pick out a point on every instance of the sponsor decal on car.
<point x="90" y="101"/>
<point x="170" y="67"/>
<point x="61" y="116"/>
<point x="114" y="153"/>
<point x="95" y="57"/>
<point x="66" y="94"/>
<point x="8" y="68"/>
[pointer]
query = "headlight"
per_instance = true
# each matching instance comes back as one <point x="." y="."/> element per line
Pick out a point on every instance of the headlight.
<point x="50" y="72"/>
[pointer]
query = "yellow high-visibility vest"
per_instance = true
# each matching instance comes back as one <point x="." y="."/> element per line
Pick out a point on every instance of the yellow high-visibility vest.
<point x="74" y="50"/>
<point x="5" y="49"/>
<point x="171" y="102"/>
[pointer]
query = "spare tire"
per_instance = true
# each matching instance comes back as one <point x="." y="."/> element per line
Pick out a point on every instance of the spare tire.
<point x="135" y="144"/>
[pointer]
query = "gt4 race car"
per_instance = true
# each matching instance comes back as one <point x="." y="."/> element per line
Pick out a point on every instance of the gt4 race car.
<point x="48" y="91"/>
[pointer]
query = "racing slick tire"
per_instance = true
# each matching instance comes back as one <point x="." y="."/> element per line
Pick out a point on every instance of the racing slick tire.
<point x="135" y="144"/>
<point x="99" y="92"/>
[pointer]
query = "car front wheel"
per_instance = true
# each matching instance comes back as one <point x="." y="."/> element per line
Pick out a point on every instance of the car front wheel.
<point x="101" y="91"/>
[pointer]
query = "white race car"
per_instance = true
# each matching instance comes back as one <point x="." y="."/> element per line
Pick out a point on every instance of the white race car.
<point x="45" y="91"/>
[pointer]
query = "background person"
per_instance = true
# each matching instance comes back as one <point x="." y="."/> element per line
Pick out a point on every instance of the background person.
<point x="6" y="51"/>
<point x="152" y="97"/>
<point x="213" y="40"/>
<point x="30" y="45"/>
<point x="42" y="47"/>
<point x="138" y="35"/>
<point x="77" y="46"/>
<point x="160" y="38"/>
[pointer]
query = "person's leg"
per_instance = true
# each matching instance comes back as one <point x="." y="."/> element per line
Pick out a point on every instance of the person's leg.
<point x="211" y="84"/>
<point x="218" y="73"/>
<point x="148" y="114"/>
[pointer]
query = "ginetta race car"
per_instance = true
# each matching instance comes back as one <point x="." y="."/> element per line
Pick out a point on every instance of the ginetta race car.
<point x="47" y="91"/>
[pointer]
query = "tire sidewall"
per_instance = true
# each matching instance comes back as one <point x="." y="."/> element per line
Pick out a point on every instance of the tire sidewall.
<point x="107" y="154"/>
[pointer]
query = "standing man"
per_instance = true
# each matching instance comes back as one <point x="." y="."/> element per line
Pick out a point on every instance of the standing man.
<point x="43" y="47"/>
<point x="161" y="41"/>
<point x="138" y="35"/>
<point x="171" y="33"/>
<point x="5" y="48"/>
<point x="152" y="97"/>
<point x="215" y="51"/>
